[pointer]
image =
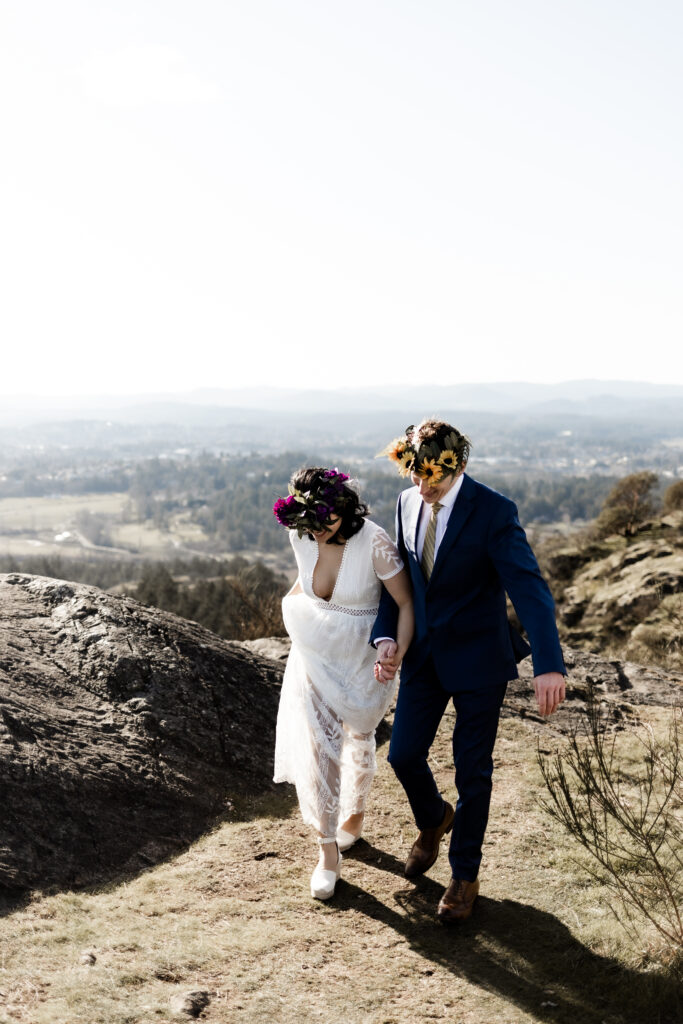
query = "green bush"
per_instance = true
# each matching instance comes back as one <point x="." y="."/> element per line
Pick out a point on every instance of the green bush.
<point x="673" y="497"/>
<point x="628" y="505"/>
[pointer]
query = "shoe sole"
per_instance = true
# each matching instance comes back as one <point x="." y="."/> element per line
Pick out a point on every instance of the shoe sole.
<point x="323" y="894"/>
<point x="320" y="896"/>
<point x="447" y="920"/>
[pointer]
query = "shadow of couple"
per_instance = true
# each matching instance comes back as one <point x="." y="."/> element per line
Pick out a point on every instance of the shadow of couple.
<point x="525" y="955"/>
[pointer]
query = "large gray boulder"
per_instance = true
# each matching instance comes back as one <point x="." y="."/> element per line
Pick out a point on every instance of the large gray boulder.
<point x="124" y="731"/>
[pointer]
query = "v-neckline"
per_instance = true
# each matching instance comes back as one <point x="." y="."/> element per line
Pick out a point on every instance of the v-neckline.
<point x="328" y="600"/>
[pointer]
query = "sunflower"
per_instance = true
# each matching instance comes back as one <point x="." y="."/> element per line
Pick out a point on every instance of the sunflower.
<point x="449" y="460"/>
<point x="395" y="449"/>
<point x="430" y="471"/>
<point x="402" y="453"/>
<point x="406" y="462"/>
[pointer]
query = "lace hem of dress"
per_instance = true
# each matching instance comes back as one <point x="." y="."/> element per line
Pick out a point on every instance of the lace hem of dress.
<point x="342" y="608"/>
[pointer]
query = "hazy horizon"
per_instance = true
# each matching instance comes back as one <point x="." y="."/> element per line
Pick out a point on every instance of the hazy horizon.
<point x="589" y="385"/>
<point x="315" y="195"/>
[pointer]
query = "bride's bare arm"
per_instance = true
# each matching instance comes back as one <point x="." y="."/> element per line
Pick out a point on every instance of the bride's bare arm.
<point x="399" y="588"/>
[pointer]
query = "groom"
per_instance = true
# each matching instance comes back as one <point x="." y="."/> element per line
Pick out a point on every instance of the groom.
<point x="464" y="548"/>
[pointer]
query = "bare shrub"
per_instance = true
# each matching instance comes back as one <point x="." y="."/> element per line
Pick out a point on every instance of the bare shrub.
<point x="628" y="815"/>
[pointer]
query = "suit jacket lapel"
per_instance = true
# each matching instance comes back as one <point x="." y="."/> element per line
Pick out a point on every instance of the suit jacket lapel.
<point x="464" y="504"/>
<point x="411" y="518"/>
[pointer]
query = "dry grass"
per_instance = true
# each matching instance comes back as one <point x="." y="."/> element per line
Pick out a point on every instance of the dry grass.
<point x="232" y="916"/>
<point x="28" y="526"/>
<point x="56" y="513"/>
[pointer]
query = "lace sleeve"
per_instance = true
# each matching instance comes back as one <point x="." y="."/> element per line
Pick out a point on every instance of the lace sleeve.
<point x="385" y="557"/>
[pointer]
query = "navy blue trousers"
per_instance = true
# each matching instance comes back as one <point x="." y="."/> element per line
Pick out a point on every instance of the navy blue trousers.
<point x="421" y="704"/>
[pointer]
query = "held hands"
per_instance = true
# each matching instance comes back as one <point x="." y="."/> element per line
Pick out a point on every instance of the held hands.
<point x="550" y="691"/>
<point x="387" y="662"/>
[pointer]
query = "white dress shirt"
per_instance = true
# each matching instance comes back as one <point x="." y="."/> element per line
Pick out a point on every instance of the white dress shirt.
<point x="448" y="501"/>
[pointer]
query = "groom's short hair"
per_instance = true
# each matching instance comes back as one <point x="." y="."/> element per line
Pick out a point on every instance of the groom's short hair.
<point x="430" y="429"/>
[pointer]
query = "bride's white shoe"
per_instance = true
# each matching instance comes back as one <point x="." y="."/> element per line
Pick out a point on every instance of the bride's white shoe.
<point x="345" y="840"/>
<point x="324" y="880"/>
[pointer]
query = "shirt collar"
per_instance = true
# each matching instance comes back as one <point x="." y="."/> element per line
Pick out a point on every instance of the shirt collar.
<point x="451" y="494"/>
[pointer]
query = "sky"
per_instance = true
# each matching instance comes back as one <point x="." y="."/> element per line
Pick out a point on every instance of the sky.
<point x="234" y="193"/>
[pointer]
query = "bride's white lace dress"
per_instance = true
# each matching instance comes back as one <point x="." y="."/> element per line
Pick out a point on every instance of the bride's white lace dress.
<point x="331" y="703"/>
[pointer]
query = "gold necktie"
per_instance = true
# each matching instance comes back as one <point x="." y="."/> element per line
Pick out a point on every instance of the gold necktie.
<point x="430" y="538"/>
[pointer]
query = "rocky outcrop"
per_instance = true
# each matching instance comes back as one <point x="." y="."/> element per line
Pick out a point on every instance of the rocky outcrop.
<point x="274" y="647"/>
<point x="624" y="596"/>
<point x="124" y="731"/>
<point x="619" y="687"/>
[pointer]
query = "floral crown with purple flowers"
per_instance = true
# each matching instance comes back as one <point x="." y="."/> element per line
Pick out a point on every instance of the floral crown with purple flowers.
<point x="311" y="511"/>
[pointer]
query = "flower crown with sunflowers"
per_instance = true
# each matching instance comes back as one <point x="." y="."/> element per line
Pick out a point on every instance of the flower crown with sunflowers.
<point x="431" y="460"/>
<point x="311" y="511"/>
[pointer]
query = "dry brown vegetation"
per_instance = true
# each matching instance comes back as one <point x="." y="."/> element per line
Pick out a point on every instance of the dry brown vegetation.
<point x="232" y="916"/>
<point x="621" y="597"/>
<point x="621" y="798"/>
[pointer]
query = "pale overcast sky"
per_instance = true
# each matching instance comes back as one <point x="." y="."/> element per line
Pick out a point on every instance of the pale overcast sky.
<point x="299" y="192"/>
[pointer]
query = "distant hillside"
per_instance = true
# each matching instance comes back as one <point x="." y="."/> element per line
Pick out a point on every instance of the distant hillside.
<point x="584" y="397"/>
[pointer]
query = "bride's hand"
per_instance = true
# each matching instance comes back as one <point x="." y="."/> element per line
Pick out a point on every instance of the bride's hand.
<point x="388" y="661"/>
<point x="386" y="650"/>
<point x="382" y="674"/>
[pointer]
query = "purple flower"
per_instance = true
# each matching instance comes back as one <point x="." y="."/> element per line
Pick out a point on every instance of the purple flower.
<point x="335" y="475"/>
<point x="282" y="509"/>
<point x="323" y="512"/>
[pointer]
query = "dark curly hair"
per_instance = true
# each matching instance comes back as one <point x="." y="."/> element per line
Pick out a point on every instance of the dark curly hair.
<point x="430" y="429"/>
<point x="352" y="512"/>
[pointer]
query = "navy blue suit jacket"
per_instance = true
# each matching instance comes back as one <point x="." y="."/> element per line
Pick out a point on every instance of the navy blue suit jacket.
<point x="460" y="615"/>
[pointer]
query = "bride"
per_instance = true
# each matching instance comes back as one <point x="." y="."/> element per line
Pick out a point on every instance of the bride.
<point x="332" y="694"/>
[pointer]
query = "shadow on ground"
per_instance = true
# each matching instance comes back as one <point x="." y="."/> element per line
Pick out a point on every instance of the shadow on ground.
<point x="246" y="808"/>
<point x="11" y="902"/>
<point x="525" y="955"/>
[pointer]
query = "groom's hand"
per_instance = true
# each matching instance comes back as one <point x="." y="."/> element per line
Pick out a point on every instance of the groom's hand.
<point x="386" y="665"/>
<point x="550" y="691"/>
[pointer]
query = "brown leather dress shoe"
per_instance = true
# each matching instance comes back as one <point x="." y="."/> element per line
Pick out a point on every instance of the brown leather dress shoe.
<point x="426" y="847"/>
<point x="456" y="903"/>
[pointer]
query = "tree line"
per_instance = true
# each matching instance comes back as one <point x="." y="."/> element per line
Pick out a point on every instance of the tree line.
<point x="231" y="497"/>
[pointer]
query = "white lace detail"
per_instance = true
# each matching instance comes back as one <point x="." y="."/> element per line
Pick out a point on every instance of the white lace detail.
<point x="385" y="556"/>
<point x="331" y="703"/>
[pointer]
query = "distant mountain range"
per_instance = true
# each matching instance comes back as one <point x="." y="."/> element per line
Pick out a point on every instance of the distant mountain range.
<point x="594" y="398"/>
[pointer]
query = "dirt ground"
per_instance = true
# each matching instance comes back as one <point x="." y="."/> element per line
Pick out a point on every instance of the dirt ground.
<point x="232" y="916"/>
